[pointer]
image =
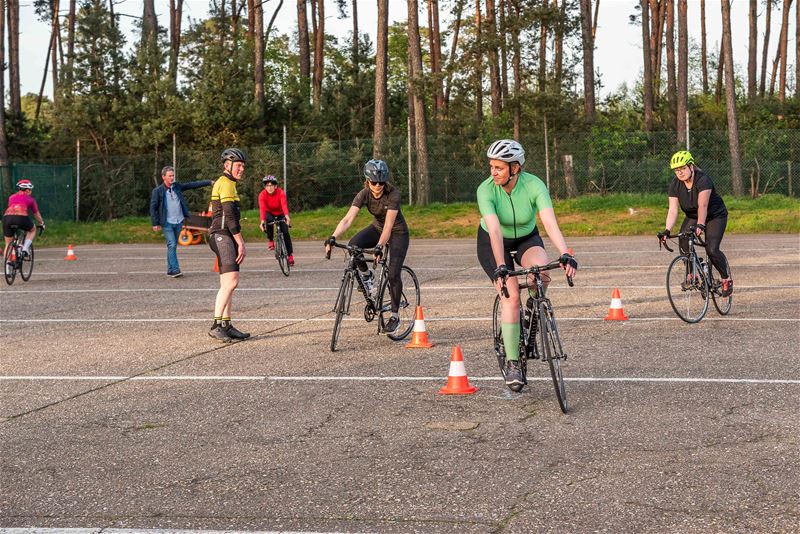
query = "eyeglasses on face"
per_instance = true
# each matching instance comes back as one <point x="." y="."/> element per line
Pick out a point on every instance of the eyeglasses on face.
<point x="376" y="183"/>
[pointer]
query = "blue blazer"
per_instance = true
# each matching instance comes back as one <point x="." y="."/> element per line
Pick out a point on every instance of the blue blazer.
<point x="158" y="202"/>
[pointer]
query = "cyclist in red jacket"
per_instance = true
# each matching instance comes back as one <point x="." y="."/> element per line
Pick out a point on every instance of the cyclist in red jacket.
<point x="273" y="206"/>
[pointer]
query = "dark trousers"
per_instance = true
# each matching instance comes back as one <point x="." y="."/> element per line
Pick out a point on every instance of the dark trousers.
<point x="398" y="247"/>
<point x="284" y="229"/>
<point x="715" y="229"/>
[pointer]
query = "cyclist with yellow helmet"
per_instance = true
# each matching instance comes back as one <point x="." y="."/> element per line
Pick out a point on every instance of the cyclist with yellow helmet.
<point x="693" y="191"/>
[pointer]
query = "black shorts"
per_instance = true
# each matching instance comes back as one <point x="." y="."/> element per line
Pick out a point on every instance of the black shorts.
<point x="519" y="244"/>
<point x="22" y="221"/>
<point x="225" y="247"/>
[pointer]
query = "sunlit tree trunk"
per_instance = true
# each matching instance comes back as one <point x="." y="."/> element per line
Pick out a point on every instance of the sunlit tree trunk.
<point x="12" y="12"/>
<point x="304" y="48"/>
<point x="752" y="50"/>
<point x="501" y="7"/>
<point x="683" y="71"/>
<point x="797" y="50"/>
<point x="355" y="38"/>
<point x="720" y="73"/>
<point x="542" y="66"/>
<point x="478" y="63"/>
<point x="658" y="18"/>
<point x="647" y="83"/>
<point x="513" y="7"/>
<point x="588" y="61"/>
<point x="703" y="46"/>
<point x="784" y="49"/>
<point x="730" y="101"/>
<point x="54" y="52"/>
<point x="258" y="67"/>
<point x="319" y="54"/>
<point x="559" y="44"/>
<point x="672" y="89"/>
<point x="435" y="44"/>
<point x="3" y="134"/>
<point x="175" y="16"/>
<point x="765" y="50"/>
<point x="494" y="68"/>
<point x="453" y="49"/>
<point x="381" y="70"/>
<point x="420" y="127"/>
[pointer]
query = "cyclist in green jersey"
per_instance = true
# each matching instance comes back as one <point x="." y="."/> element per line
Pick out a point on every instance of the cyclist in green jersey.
<point x="509" y="201"/>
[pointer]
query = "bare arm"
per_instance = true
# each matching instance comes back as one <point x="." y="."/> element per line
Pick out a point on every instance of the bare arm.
<point x="496" y="239"/>
<point x="344" y="224"/>
<point x="548" y="217"/>
<point x="672" y="213"/>
<point x="702" y="206"/>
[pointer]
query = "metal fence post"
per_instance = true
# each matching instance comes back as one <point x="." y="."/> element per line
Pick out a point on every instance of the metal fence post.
<point x="174" y="155"/>
<point x="284" y="158"/>
<point x="408" y="143"/>
<point x="546" y="155"/>
<point x="789" y="165"/>
<point x="78" y="183"/>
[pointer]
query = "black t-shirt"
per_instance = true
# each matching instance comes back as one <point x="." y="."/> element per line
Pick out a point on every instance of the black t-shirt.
<point x="390" y="200"/>
<point x="687" y="198"/>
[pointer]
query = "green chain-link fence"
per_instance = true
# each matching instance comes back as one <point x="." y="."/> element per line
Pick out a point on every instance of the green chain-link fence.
<point x="54" y="187"/>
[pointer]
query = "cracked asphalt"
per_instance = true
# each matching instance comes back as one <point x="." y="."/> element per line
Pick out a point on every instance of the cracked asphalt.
<point x="117" y="410"/>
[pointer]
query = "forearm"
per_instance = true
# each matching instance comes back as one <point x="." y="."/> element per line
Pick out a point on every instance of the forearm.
<point x="553" y="231"/>
<point x="672" y="217"/>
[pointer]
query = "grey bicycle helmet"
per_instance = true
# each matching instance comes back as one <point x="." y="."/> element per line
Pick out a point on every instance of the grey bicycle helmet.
<point x="269" y="179"/>
<point x="376" y="170"/>
<point x="507" y="150"/>
<point x="234" y="154"/>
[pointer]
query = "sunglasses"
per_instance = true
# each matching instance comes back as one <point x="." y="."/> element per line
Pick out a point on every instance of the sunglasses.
<point x="376" y="183"/>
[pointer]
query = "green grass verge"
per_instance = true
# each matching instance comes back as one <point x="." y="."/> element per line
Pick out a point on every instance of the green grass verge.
<point x="619" y="214"/>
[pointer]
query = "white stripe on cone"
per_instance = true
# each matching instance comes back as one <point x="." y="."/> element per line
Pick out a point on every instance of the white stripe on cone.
<point x="457" y="368"/>
<point x="616" y="304"/>
<point x="419" y="325"/>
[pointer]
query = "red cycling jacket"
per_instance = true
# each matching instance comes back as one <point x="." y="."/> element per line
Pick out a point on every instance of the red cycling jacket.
<point x="274" y="203"/>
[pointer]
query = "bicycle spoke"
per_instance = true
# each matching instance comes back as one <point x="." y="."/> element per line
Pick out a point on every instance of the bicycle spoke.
<point x="687" y="289"/>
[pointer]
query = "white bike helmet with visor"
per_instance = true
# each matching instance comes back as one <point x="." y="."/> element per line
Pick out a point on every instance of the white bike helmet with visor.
<point x="24" y="184"/>
<point x="507" y="150"/>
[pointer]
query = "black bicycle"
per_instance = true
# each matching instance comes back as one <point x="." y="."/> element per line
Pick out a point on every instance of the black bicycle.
<point x="539" y="337"/>
<point x="281" y="253"/>
<point x="17" y="261"/>
<point x="691" y="282"/>
<point x="377" y="297"/>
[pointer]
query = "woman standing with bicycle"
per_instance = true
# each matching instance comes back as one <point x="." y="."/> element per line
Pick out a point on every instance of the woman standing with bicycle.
<point x="509" y="201"/>
<point x="693" y="191"/>
<point x="16" y="214"/>
<point x="273" y="206"/>
<point x="382" y="200"/>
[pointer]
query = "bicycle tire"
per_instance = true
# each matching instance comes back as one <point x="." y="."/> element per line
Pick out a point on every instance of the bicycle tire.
<point x="499" y="346"/>
<point x="408" y="303"/>
<point x="26" y="269"/>
<point x="281" y="254"/>
<point x="10" y="267"/>
<point x="722" y="304"/>
<point x="552" y="351"/>
<point x="687" y="289"/>
<point x="342" y="306"/>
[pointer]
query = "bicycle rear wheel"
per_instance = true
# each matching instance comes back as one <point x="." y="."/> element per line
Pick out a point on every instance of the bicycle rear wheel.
<point x="27" y="266"/>
<point x="409" y="300"/>
<point x="552" y="351"/>
<point x="342" y="306"/>
<point x="687" y="289"/>
<point x="10" y="267"/>
<point x="281" y="254"/>
<point x="722" y="304"/>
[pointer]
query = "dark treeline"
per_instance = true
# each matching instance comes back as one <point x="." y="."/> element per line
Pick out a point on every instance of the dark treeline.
<point x="476" y="69"/>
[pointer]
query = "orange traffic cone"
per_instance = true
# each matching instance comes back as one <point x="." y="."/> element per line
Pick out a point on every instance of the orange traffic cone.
<point x="615" y="312"/>
<point x="457" y="381"/>
<point x="70" y="254"/>
<point x="419" y="339"/>
<point x="216" y="264"/>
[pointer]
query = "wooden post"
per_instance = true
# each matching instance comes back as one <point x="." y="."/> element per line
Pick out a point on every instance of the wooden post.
<point x="569" y="176"/>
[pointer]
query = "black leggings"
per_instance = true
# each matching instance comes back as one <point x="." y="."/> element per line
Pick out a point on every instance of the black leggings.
<point x="283" y="227"/>
<point x="398" y="247"/>
<point x="715" y="229"/>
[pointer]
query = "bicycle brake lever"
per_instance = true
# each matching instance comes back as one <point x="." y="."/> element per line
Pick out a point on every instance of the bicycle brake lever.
<point x="570" y="282"/>
<point x="328" y="254"/>
<point x="504" y="289"/>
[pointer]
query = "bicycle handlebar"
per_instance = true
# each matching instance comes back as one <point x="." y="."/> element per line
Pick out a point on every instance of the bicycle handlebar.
<point x="352" y="249"/>
<point x="689" y="234"/>
<point x="555" y="264"/>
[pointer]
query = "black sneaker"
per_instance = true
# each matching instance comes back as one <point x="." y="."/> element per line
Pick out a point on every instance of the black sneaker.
<point x="236" y="334"/>
<point x="514" y="378"/>
<point x="220" y="334"/>
<point x="176" y="274"/>
<point x="392" y="325"/>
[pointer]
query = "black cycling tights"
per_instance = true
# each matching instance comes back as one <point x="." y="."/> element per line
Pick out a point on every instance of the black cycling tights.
<point x="715" y="229"/>
<point x="398" y="247"/>
<point x="283" y="228"/>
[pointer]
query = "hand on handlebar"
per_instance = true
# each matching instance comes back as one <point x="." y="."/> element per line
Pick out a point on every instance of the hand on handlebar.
<point x="569" y="264"/>
<point x="377" y="253"/>
<point x="698" y="229"/>
<point x="329" y="246"/>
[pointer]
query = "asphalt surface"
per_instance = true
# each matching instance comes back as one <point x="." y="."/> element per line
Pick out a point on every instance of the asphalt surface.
<point x="118" y="411"/>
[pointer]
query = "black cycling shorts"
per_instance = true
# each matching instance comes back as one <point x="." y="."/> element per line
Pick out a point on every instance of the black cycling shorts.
<point x="225" y="247"/>
<point x="22" y="221"/>
<point x="520" y="244"/>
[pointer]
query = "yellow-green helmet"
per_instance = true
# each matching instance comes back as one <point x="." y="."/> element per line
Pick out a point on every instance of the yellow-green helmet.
<point x="680" y="159"/>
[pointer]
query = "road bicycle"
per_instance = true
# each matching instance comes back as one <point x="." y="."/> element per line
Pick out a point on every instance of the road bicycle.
<point x="15" y="260"/>
<point x="691" y="282"/>
<point x="539" y="338"/>
<point x="281" y="254"/>
<point x="376" y="293"/>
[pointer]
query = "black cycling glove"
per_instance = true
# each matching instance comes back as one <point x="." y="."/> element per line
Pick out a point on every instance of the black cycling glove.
<point x="330" y="241"/>
<point x="500" y="272"/>
<point x="378" y="252"/>
<point x="663" y="235"/>
<point x="567" y="259"/>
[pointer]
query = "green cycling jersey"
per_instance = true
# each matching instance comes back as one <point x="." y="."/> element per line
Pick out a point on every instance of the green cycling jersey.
<point x="516" y="210"/>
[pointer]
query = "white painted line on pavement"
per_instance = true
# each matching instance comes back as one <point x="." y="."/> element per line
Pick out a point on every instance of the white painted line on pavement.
<point x="360" y="319"/>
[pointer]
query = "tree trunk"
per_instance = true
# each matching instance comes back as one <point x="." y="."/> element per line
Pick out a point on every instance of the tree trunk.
<point x="683" y="71"/>
<point x="70" y="47"/>
<point x="730" y="99"/>
<point x="658" y="18"/>
<point x="258" y="67"/>
<point x="703" y="46"/>
<point x="420" y="127"/>
<point x="796" y="53"/>
<point x="494" y="67"/>
<point x="319" y="55"/>
<point x="355" y="38"/>
<point x="175" y="16"/>
<point x="569" y="176"/>
<point x="588" y="61"/>
<point x="559" y="44"/>
<point x="381" y="69"/>
<point x="517" y="67"/>
<point x="54" y="51"/>
<point x="3" y="134"/>
<point x="720" y="73"/>
<point x="453" y="49"/>
<point x="752" y="50"/>
<point x="784" y="48"/>
<point x="435" y="43"/>
<point x="647" y="83"/>
<point x="542" y="71"/>
<point x="303" y="48"/>
<point x="503" y="52"/>
<point x="149" y="24"/>
<point x="13" y="60"/>
<point x="272" y="19"/>
<point x="478" y="63"/>
<point x="672" y="89"/>
<point x="765" y="50"/>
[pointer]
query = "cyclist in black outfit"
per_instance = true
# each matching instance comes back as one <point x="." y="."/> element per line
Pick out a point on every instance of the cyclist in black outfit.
<point x="693" y="191"/>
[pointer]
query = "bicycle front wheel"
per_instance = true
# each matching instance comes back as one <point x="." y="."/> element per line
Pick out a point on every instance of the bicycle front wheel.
<point x="552" y="351"/>
<point x="407" y="307"/>
<point x="687" y="289"/>
<point x="342" y="306"/>
<point x="281" y="254"/>
<point x="27" y="266"/>
<point x="9" y="266"/>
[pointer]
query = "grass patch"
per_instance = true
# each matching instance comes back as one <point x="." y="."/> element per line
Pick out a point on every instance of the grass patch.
<point x="589" y="215"/>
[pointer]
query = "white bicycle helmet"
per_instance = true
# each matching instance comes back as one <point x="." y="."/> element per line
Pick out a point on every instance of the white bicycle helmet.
<point x="507" y="150"/>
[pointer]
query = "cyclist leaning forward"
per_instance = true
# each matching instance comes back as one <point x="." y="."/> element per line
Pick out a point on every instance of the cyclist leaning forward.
<point x="382" y="200"/>
<point x="16" y="214"/>
<point x="509" y="201"/>
<point x="693" y="191"/>
<point x="225" y="239"/>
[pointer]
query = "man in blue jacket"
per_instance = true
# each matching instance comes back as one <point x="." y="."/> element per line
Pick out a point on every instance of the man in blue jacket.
<point x="167" y="211"/>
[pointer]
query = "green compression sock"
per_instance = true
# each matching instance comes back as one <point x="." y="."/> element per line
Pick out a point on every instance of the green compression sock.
<point x="510" y="333"/>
